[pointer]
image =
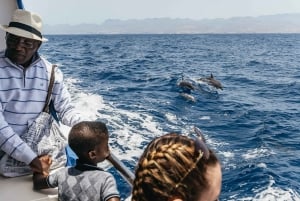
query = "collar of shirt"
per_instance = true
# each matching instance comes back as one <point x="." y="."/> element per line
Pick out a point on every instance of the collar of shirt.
<point x="85" y="167"/>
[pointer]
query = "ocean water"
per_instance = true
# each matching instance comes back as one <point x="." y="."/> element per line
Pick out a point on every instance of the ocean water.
<point x="253" y="124"/>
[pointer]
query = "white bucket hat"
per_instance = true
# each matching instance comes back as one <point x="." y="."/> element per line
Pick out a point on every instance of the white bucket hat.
<point x="25" y="24"/>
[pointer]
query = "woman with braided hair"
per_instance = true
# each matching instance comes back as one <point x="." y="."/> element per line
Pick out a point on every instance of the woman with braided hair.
<point x="174" y="167"/>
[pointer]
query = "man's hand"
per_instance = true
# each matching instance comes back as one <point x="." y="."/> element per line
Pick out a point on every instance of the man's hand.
<point x="41" y="164"/>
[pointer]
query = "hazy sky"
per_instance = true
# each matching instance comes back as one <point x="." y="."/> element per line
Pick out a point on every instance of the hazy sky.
<point x="97" y="11"/>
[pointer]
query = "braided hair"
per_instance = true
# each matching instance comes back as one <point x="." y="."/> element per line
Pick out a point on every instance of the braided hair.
<point x="169" y="167"/>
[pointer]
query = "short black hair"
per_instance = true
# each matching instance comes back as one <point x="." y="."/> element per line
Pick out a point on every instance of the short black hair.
<point x="84" y="136"/>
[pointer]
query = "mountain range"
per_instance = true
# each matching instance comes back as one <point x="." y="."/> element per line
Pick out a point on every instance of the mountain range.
<point x="280" y="23"/>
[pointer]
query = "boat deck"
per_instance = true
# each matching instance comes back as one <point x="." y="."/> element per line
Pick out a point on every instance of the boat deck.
<point x="21" y="189"/>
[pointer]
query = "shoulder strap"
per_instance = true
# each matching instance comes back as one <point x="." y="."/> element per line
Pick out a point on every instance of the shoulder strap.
<point x="50" y="88"/>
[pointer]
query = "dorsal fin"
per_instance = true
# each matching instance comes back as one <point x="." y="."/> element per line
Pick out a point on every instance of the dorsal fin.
<point x="211" y="75"/>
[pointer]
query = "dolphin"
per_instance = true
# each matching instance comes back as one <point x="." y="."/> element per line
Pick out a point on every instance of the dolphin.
<point x="188" y="97"/>
<point x="212" y="81"/>
<point x="186" y="85"/>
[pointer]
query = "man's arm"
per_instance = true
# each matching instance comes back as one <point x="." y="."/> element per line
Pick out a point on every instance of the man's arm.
<point x="41" y="165"/>
<point x="63" y="104"/>
<point x="12" y="144"/>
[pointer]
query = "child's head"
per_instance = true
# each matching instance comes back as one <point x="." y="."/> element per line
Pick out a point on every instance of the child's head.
<point x="175" y="167"/>
<point x="89" y="140"/>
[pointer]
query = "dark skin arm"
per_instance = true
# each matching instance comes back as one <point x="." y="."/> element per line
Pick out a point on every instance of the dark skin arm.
<point x="40" y="167"/>
<point x="41" y="164"/>
<point x="39" y="181"/>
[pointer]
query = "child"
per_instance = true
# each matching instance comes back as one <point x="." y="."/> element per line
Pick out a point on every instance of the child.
<point x="85" y="181"/>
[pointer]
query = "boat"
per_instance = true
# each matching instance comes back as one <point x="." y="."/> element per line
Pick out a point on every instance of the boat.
<point x="21" y="188"/>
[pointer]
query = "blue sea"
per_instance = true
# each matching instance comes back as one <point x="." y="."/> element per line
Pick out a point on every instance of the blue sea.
<point x="131" y="83"/>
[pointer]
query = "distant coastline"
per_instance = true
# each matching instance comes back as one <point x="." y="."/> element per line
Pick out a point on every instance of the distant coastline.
<point x="281" y="23"/>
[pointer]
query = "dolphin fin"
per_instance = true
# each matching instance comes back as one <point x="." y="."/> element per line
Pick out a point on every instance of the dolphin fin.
<point x="199" y="133"/>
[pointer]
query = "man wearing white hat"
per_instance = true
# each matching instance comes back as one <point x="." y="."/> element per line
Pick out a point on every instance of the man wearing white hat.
<point x="24" y="80"/>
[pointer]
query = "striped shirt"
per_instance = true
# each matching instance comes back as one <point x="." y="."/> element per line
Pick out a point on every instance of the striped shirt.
<point x="22" y="97"/>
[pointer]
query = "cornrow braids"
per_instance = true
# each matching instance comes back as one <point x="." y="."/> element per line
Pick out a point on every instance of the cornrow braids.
<point x="161" y="167"/>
